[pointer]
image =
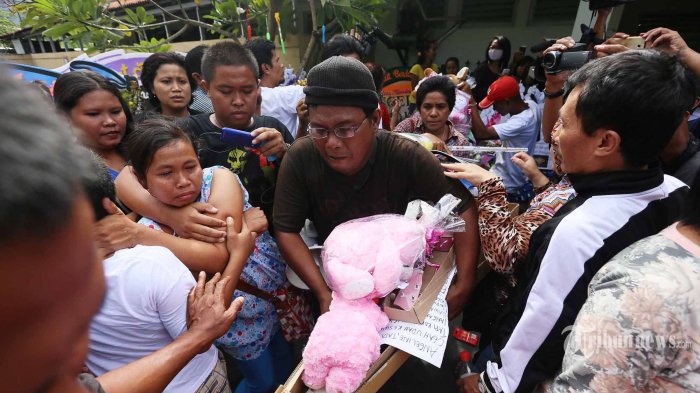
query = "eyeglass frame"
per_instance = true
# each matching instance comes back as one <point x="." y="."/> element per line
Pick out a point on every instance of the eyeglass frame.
<point x="335" y="130"/>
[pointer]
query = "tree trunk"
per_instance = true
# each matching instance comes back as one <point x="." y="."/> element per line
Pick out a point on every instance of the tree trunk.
<point x="275" y="6"/>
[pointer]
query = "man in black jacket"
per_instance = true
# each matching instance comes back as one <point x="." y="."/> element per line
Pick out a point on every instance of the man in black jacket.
<point x="620" y="111"/>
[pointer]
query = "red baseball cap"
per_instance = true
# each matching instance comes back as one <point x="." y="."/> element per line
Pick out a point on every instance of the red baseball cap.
<point x="503" y="88"/>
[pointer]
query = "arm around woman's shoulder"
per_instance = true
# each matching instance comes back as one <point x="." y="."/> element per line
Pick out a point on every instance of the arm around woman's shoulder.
<point x="227" y="196"/>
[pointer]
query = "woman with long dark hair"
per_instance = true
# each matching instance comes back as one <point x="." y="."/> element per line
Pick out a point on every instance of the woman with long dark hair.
<point x="497" y="57"/>
<point x="96" y="108"/>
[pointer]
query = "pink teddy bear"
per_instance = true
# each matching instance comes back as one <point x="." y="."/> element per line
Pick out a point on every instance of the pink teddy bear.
<point x="363" y="259"/>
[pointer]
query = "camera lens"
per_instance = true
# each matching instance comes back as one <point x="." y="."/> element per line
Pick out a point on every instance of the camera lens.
<point x="549" y="61"/>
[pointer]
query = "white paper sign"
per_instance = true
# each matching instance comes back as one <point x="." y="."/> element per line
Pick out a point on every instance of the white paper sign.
<point x="428" y="340"/>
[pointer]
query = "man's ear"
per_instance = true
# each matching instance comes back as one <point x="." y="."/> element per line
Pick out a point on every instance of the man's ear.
<point x="609" y="142"/>
<point x="204" y="85"/>
<point x="197" y="78"/>
<point x="265" y="69"/>
<point x="376" y="116"/>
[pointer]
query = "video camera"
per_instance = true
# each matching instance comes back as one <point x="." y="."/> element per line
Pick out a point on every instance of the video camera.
<point x="555" y="61"/>
<point x="369" y="38"/>
<point x="574" y="58"/>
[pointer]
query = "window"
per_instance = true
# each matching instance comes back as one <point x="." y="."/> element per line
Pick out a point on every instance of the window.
<point x="554" y="10"/>
<point x="490" y="11"/>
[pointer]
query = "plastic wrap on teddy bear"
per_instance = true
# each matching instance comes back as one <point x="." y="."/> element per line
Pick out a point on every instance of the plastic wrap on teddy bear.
<point x="365" y="259"/>
<point x="438" y="219"/>
<point x="360" y="256"/>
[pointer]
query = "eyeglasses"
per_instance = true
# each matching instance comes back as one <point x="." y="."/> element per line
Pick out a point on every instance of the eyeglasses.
<point x="340" y="132"/>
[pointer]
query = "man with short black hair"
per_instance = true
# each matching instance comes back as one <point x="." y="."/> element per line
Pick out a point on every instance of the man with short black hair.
<point x="53" y="280"/>
<point x="278" y="101"/>
<point x="347" y="168"/>
<point x="610" y="137"/>
<point x="342" y="45"/>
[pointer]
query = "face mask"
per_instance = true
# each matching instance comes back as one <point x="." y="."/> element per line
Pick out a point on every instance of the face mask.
<point x="495" y="54"/>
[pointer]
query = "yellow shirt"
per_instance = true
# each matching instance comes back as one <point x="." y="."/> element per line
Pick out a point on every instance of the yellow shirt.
<point x="418" y="71"/>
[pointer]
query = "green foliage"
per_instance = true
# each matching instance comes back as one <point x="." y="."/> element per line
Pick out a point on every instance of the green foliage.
<point x="229" y="15"/>
<point x="154" y="45"/>
<point x="349" y="12"/>
<point x="226" y="16"/>
<point x="80" y="22"/>
<point x="6" y="24"/>
<point x="93" y="25"/>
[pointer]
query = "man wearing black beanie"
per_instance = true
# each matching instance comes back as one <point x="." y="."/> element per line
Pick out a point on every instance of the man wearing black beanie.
<point x="346" y="168"/>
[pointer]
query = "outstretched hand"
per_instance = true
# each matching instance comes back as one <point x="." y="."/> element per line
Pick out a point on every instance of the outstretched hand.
<point x="115" y="231"/>
<point x="470" y="172"/>
<point x="207" y="315"/>
<point x="529" y="166"/>
<point x="525" y="162"/>
<point x="614" y="44"/>
<point x="666" y="40"/>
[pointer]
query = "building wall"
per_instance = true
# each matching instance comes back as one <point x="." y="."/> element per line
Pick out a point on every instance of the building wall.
<point x="55" y="60"/>
<point x="46" y="60"/>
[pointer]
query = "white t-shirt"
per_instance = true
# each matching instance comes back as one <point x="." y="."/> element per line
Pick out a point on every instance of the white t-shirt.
<point x="532" y="93"/>
<point x="144" y="310"/>
<point x="281" y="103"/>
<point x="520" y="130"/>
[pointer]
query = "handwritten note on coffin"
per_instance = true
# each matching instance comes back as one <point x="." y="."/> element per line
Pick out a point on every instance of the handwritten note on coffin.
<point x="426" y="341"/>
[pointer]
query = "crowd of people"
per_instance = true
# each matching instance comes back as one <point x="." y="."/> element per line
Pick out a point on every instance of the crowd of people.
<point x="136" y="244"/>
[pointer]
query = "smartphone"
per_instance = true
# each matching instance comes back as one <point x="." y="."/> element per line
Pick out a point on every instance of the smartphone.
<point x="450" y="159"/>
<point x="237" y="138"/>
<point x="634" y="42"/>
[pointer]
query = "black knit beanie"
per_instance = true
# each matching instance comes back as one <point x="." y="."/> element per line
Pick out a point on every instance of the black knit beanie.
<point x="341" y="81"/>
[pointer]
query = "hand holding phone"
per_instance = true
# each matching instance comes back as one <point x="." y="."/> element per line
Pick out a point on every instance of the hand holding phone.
<point x="450" y="159"/>
<point x="634" y="42"/>
<point x="237" y="138"/>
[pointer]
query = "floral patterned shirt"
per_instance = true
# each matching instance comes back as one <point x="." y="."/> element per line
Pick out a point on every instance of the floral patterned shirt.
<point x="639" y="329"/>
<point x="257" y="322"/>
<point x="414" y="124"/>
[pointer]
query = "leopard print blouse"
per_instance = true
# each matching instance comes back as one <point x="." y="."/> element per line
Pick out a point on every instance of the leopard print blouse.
<point x="505" y="239"/>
